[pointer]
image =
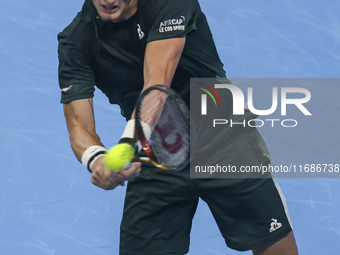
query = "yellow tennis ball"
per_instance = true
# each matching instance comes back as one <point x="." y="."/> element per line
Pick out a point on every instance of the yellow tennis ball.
<point x="118" y="156"/>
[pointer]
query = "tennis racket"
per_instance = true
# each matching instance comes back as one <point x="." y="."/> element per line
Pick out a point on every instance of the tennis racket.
<point x="161" y="130"/>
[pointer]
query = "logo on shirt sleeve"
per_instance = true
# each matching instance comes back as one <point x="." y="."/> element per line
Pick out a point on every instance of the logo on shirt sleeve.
<point x="172" y="25"/>
<point x="66" y="89"/>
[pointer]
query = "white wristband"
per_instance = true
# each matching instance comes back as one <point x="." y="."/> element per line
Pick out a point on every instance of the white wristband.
<point x="91" y="154"/>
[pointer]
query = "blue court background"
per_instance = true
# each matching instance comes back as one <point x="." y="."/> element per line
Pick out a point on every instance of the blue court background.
<point x="47" y="203"/>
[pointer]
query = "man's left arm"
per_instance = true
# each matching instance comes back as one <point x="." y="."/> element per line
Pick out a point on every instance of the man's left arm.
<point x="160" y="63"/>
<point x="161" y="60"/>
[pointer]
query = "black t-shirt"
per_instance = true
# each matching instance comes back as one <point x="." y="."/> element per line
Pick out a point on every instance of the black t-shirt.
<point x="111" y="55"/>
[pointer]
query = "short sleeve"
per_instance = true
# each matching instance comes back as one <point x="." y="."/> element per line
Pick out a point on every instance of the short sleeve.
<point x="76" y="77"/>
<point x="170" y="19"/>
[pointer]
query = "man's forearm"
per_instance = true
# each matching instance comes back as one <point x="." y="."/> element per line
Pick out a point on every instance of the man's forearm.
<point x="81" y="126"/>
<point x="81" y="139"/>
<point x="161" y="60"/>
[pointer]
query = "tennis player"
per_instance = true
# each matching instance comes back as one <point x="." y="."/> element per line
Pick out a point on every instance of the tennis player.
<point x="123" y="47"/>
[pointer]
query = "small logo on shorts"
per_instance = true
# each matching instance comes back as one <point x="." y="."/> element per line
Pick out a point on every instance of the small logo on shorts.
<point x="274" y="225"/>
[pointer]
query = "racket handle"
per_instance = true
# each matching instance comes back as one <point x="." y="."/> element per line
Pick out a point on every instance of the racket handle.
<point x="147" y="160"/>
<point x="127" y="165"/>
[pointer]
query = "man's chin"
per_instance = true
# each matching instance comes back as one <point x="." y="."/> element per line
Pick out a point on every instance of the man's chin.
<point x="106" y="17"/>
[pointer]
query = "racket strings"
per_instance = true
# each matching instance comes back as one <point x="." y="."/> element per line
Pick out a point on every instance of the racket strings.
<point x="167" y="131"/>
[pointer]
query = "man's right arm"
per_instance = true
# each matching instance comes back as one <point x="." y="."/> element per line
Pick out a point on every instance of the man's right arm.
<point x="81" y="127"/>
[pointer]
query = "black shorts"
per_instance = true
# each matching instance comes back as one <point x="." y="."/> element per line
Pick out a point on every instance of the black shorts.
<point x="160" y="205"/>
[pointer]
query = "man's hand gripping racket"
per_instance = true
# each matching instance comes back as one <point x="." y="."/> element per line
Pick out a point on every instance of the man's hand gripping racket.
<point x="161" y="128"/>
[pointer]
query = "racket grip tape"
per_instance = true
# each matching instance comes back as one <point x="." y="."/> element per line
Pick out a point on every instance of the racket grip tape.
<point x="129" y="130"/>
<point x="126" y="140"/>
